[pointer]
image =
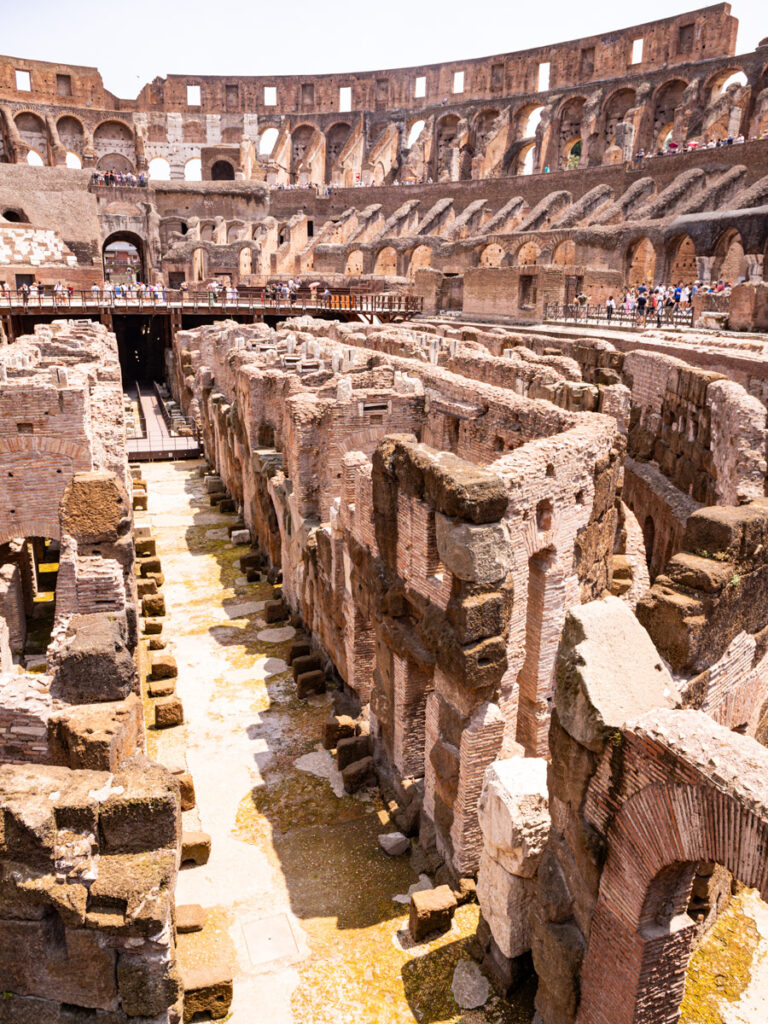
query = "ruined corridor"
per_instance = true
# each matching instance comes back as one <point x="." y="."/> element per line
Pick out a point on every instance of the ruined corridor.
<point x="297" y="895"/>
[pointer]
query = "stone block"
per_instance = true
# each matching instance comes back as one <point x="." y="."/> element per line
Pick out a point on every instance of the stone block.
<point x="156" y="643"/>
<point x="306" y="663"/>
<point x="351" y="749"/>
<point x="145" y="587"/>
<point x="92" y="662"/>
<point x="394" y="844"/>
<point x="241" y="536"/>
<point x="432" y="910"/>
<point x="359" y="774"/>
<point x="145" y="546"/>
<point x="195" y="848"/>
<point x="169" y="711"/>
<point x="475" y="553"/>
<point x="300" y="649"/>
<point x="608" y="671"/>
<point x="139" y="502"/>
<point x="309" y="683"/>
<point x="190" y="917"/>
<point x="145" y="987"/>
<point x="152" y="627"/>
<point x="228" y="506"/>
<point x="161" y="688"/>
<point x="275" y="611"/>
<point x="337" y="727"/>
<point x="212" y="482"/>
<point x="163" y="667"/>
<point x="207" y="990"/>
<point x="513" y="814"/>
<point x="142" y="813"/>
<point x="153" y="606"/>
<point x="187" y="789"/>
<point x="150" y="565"/>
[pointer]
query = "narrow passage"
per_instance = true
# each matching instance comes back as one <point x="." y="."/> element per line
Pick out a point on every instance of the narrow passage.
<point x="298" y="894"/>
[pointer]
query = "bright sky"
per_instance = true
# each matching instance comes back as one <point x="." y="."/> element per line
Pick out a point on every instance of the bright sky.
<point x="133" y="42"/>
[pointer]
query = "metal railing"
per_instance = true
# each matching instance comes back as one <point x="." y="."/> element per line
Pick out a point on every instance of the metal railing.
<point x="165" y="300"/>
<point x="147" y="449"/>
<point x="593" y="314"/>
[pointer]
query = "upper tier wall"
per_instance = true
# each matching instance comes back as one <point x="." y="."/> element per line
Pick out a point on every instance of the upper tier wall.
<point x="703" y="34"/>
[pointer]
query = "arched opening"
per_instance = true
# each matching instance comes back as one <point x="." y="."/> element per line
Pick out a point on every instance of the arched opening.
<point x="572" y="154"/>
<point x="528" y="121"/>
<point x="123" y="256"/>
<point x="199" y="264"/>
<point x="484" y="123"/>
<point x="528" y="254"/>
<point x="15" y="216"/>
<point x="640" y="262"/>
<point x="245" y="262"/>
<point x="526" y="158"/>
<point x="34" y="159"/>
<point x="614" y="113"/>
<point x="115" y="137"/>
<point x="724" y="80"/>
<point x="386" y="263"/>
<point x="222" y="170"/>
<point x="193" y="169"/>
<point x="159" y="169"/>
<point x="354" y="262"/>
<point x="446" y="135"/>
<point x="668" y="98"/>
<point x="729" y="264"/>
<point x="569" y="128"/>
<point x="267" y="141"/>
<point x="564" y="253"/>
<point x="71" y="134"/>
<point x="73" y="161"/>
<point x="682" y="260"/>
<point x="491" y="255"/>
<point x="236" y="232"/>
<point x="33" y="132"/>
<point x="115" y="162"/>
<point x="300" y="141"/>
<point x="335" y="141"/>
<point x="420" y="260"/>
<point x="414" y="133"/>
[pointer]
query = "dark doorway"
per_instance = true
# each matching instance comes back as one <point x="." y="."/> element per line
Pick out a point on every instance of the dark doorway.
<point x="141" y="348"/>
<point x="222" y="170"/>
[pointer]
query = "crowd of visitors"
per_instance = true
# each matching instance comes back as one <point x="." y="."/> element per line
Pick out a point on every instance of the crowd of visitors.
<point x="119" y="179"/>
<point x="642" y="303"/>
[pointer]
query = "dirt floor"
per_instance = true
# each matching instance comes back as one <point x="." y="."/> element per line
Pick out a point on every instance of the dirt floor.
<point x="299" y="897"/>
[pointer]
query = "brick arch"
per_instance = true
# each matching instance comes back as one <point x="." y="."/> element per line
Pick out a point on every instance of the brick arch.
<point x="31" y="526"/>
<point x="641" y="937"/>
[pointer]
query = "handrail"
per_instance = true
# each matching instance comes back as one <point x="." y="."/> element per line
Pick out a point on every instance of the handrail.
<point x="666" y="316"/>
<point x="194" y="302"/>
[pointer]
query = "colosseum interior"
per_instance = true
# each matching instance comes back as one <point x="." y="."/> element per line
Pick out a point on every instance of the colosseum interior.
<point x="384" y="540"/>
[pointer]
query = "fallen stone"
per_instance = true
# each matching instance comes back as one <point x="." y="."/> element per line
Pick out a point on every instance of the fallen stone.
<point x="190" y="917"/>
<point x="359" y="774"/>
<point x="352" y="749"/>
<point x="169" y="711"/>
<point x="394" y="843"/>
<point x="432" y="910"/>
<point x="195" y="848"/>
<point x="469" y="986"/>
<point x="156" y="643"/>
<point x="240" y="536"/>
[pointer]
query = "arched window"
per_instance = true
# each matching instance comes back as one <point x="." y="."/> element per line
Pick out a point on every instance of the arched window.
<point x="267" y="141"/>
<point x="159" y="169"/>
<point x="222" y="170"/>
<point x="34" y="159"/>
<point x="413" y="135"/>
<point x="74" y="161"/>
<point x="193" y="169"/>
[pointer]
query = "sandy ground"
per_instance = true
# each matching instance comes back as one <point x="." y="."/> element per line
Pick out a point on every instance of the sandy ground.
<point x="299" y="897"/>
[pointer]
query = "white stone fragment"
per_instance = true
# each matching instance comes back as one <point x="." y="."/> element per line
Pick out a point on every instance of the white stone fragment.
<point x="394" y="843"/>
<point x="469" y="986"/>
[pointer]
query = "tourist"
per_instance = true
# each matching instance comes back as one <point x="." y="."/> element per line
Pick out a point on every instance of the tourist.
<point x="609" y="307"/>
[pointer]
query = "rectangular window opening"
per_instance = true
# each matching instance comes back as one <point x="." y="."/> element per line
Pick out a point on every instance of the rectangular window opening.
<point x="307" y="95"/>
<point x="270" y="95"/>
<point x="23" y="81"/>
<point x="497" y="77"/>
<point x="233" y="97"/>
<point x="420" y="86"/>
<point x="193" y="95"/>
<point x="685" y="39"/>
<point x="543" y="78"/>
<point x="458" y="82"/>
<point x="637" y="51"/>
<point x="345" y="98"/>
<point x="64" y="85"/>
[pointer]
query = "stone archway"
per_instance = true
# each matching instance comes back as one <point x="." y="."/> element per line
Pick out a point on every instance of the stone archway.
<point x="386" y="262"/>
<point x="640" y="263"/>
<point x="421" y="259"/>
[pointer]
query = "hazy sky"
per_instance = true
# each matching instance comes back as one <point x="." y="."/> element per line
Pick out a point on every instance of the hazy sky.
<point x="133" y="41"/>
